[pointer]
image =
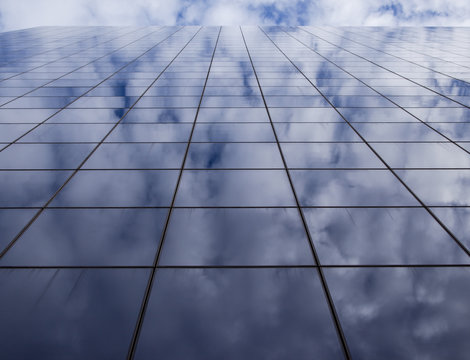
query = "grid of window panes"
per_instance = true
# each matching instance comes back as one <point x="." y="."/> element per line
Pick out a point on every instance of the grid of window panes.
<point x="235" y="193"/>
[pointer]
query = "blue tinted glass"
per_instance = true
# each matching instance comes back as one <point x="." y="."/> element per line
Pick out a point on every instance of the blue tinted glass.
<point x="205" y="192"/>
<point x="273" y="312"/>
<point x="64" y="313"/>
<point x="395" y="313"/>
<point x="236" y="237"/>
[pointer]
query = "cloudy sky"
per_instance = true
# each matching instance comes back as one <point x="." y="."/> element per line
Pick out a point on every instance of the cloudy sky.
<point x="17" y="14"/>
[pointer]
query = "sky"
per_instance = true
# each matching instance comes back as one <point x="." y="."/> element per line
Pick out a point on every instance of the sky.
<point x="18" y="14"/>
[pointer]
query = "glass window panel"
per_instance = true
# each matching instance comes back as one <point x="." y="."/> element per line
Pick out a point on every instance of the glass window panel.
<point x="376" y="115"/>
<point x="305" y="115"/>
<point x="231" y="90"/>
<point x="315" y="132"/>
<point x="233" y="132"/>
<point x="395" y="312"/>
<point x="455" y="131"/>
<point x="232" y="101"/>
<point x="175" y="91"/>
<point x="457" y="219"/>
<point x="233" y="155"/>
<point x="423" y="155"/>
<point x="119" y="188"/>
<point x="350" y="188"/>
<point x="273" y="312"/>
<point x="11" y="223"/>
<point x="234" y="188"/>
<point x="44" y="156"/>
<point x="10" y="132"/>
<point x="25" y="115"/>
<point x="297" y="101"/>
<point x="423" y="101"/>
<point x="68" y="133"/>
<point x="359" y="101"/>
<point x="87" y="116"/>
<point x="64" y="313"/>
<point x="117" y="91"/>
<point x="381" y="236"/>
<point x="439" y="187"/>
<point x="236" y="237"/>
<point x="95" y="102"/>
<point x="29" y="188"/>
<point x="150" y="133"/>
<point x="232" y="115"/>
<point x="442" y="114"/>
<point x="160" y="116"/>
<point x="397" y="132"/>
<point x="46" y="102"/>
<point x="330" y="155"/>
<point x="137" y="156"/>
<point x="90" y="237"/>
<point x="168" y="101"/>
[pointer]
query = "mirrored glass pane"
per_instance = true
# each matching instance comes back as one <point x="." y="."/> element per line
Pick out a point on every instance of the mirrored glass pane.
<point x="398" y="312"/>
<point x="350" y="188"/>
<point x="89" y="237"/>
<point x="272" y="312"/>
<point x="233" y="155"/>
<point x="118" y="188"/>
<point x="330" y="155"/>
<point x="137" y="156"/>
<point x="236" y="237"/>
<point x="234" y="188"/>
<point x="63" y="313"/>
<point x="371" y="236"/>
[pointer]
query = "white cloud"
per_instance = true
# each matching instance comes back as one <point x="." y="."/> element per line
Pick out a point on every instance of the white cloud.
<point x="16" y="14"/>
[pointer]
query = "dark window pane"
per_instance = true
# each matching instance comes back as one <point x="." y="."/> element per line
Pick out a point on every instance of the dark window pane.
<point x="234" y="188"/>
<point x="119" y="188"/>
<point x="315" y="132"/>
<point x="29" y="188"/>
<point x="233" y="155"/>
<point x="423" y="155"/>
<point x="150" y="132"/>
<point x="330" y="155"/>
<point x="236" y="237"/>
<point x="381" y="236"/>
<point x="457" y="220"/>
<point x="233" y="132"/>
<point x="68" y="133"/>
<point x="64" y="313"/>
<point x="44" y="156"/>
<point x="90" y="237"/>
<point x="137" y="156"/>
<point x="11" y="223"/>
<point x="397" y="313"/>
<point x="350" y="188"/>
<point x="232" y="115"/>
<point x="439" y="187"/>
<point x="238" y="314"/>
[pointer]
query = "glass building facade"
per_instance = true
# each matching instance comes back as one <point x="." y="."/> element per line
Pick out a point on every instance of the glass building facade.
<point x="235" y="193"/>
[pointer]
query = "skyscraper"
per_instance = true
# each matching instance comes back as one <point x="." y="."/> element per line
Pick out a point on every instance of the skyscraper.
<point x="235" y="193"/>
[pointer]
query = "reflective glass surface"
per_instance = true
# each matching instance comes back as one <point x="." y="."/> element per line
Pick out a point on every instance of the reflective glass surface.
<point x="236" y="237"/>
<point x="90" y="237"/>
<point x="394" y="313"/>
<point x="237" y="313"/>
<point x="63" y="313"/>
<point x="205" y="192"/>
